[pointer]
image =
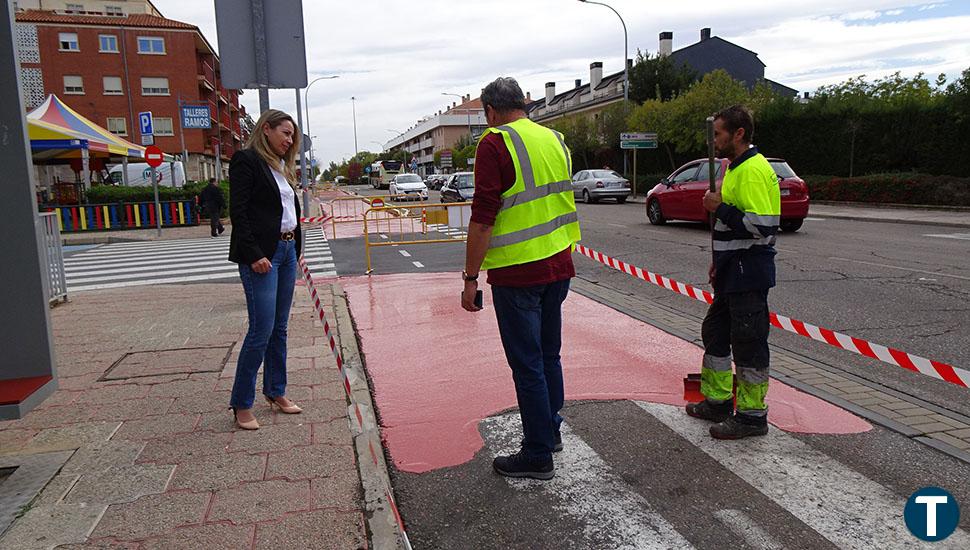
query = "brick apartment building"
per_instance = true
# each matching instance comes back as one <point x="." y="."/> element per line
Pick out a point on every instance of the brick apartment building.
<point x="440" y="131"/>
<point x="111" y="67"/>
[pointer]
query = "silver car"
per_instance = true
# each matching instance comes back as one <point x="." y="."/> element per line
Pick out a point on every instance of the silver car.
<point x="593" y="185"/>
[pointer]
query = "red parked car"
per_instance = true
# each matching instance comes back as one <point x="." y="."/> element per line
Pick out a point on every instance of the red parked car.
<point x="679" y="195"/>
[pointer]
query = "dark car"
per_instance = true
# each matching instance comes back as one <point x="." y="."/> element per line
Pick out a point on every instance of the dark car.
<point x="460" y="187"/>
<point x="679" y="196"/>
<point x="437" y="181"/>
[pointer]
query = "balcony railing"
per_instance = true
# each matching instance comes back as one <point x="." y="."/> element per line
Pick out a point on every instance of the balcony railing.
<point x="207" y="75"/>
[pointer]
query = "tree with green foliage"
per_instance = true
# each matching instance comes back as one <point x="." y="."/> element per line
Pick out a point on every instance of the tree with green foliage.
<point x="658" y="77"/>
<point x="679" y="123"/>
<point x="582" y="138"/>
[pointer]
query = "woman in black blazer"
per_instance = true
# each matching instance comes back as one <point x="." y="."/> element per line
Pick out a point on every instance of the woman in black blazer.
<point x="265" y="242"/>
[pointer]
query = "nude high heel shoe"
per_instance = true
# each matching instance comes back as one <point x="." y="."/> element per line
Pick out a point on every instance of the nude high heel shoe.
<point x="288" y="409"/>
<point x="247" y="425"/>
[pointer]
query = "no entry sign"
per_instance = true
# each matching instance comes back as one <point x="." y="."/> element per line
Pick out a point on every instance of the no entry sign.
<point x="153" y="156"/>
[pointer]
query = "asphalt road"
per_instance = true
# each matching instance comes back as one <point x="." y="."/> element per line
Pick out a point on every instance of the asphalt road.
<point x="647" y="476"/>
<point x="640" y="475"/>
<point x="900" y="285"/>
<point x="892" y="284"/>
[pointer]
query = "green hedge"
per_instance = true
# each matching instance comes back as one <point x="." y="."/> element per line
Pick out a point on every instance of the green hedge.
<point x="105" y="194"/>
<point x="898" y="188"/>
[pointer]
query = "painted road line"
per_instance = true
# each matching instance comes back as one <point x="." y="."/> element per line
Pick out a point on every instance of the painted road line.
<point x="227" y="268"/>
<point x="746" y="528"/>
<point x="615" y="515"/>
<point x="901" y="268"/>
<point x="418" y="264"/>
<point x="176" y="280"/>
<point x="842" y="505"/>
<point x="405" y="253"/>
<point x="960" y="236"/>
<point x="815" y="219"/>
<point x="154" y="266"/>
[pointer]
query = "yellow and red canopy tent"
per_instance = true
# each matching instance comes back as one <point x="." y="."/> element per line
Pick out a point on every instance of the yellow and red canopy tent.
<point x="58" y="134"/>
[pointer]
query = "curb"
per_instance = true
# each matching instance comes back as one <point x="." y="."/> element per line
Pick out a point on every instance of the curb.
<point x="895" y="206"/>
<point x="382" y="525"/>
<point x="859" y="218"/>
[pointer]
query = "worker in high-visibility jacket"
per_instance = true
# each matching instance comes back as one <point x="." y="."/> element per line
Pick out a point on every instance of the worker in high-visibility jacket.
<point x="747" y="212"/>
<point x="522" y="231"/>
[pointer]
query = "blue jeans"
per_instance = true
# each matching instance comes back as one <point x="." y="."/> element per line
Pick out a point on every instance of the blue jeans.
<point x="530" y="324"/>
<point x="268" y="299"/>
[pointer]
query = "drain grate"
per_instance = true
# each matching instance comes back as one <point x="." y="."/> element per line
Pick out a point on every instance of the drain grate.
<point x="142" y="364"/>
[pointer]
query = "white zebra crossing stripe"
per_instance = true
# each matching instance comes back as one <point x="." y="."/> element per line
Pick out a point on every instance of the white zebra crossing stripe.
<point x="171" y="262"/>
<point x="746" y="528"/>
<point x="166" y="264"/>
<point x="614" y="514"/>
<point x="839" y="503"/>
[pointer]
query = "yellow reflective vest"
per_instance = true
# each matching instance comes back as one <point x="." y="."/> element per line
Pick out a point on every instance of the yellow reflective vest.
<point x="537" y="218"/>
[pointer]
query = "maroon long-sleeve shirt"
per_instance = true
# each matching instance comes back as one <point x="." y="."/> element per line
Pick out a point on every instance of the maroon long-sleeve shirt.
<point x="495" y="174"/>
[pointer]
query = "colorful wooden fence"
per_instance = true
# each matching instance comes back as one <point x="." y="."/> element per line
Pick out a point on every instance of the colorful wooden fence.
<point x="138" y="215"/>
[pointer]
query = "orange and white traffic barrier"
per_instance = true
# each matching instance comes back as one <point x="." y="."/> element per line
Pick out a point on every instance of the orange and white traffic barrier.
<point x="357" y="413"/>
<point x="909" y="361"/>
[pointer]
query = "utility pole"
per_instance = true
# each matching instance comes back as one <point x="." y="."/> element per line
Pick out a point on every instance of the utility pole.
<point x="353" y="104"/>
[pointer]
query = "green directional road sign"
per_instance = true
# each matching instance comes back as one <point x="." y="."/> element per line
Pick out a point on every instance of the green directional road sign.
<point x="639" y="144"/>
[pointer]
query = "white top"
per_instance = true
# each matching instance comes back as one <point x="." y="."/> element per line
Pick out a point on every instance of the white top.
<point x="288" y="221"/>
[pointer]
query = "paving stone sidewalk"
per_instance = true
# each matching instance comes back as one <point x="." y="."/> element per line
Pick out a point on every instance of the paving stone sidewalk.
<point x="150" y="456"/>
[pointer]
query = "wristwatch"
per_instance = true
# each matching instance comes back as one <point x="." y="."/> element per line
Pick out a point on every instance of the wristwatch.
<point x="466" y="277"/>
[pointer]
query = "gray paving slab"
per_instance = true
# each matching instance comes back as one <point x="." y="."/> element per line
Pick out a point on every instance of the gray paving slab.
<point x="319" y="529"/>
<point x="49" y="526"/>
<point x="120" y="483"/>
<point x="152" y="515"/>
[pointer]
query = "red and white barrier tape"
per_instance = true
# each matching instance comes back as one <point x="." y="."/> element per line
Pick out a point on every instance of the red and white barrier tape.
<point x="315" y="298"/>
<point x="915" y="363"/>
<point x="316" y="219"/>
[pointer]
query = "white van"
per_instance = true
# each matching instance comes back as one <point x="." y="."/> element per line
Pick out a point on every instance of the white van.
<point x="140" y="174"/>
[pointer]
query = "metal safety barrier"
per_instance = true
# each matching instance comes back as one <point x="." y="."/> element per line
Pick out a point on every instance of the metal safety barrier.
<point x="415" y="224"/>
<point x="54" y="258"/>
<point x="352" y="209"/>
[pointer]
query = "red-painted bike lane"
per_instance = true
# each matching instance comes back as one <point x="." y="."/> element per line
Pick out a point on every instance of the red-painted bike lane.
<point x="438" y="370"/>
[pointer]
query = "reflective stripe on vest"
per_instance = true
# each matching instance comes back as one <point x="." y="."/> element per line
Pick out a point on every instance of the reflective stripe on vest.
<point x="751" y="187"/>
<point x="537" y="218"/>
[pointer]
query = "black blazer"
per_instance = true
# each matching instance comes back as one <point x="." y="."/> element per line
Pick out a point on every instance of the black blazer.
<point x="255" y="209"/>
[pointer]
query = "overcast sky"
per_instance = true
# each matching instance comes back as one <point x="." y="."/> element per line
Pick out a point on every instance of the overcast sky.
<point x="398" y="57"/>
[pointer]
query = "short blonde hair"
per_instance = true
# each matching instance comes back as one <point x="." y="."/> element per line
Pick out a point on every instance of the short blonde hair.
<point x="258" y="142"/>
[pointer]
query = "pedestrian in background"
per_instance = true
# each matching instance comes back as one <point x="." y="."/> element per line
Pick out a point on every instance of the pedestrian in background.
<point x="522" y="231"/>
<point x="212" y="204"/>
<point x="747" y="212"/>
<point x="265" y="242"/>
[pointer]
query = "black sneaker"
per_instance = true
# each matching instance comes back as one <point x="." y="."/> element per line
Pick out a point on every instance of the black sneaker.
<point x="221" y="229"/>
<point x="517" y="465"/>
<point x="740" y="426"/>
<point x="707" y="410"/>
<point x="557" y="442"/>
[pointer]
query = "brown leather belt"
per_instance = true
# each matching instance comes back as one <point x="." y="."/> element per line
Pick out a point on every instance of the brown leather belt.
<point x="288" y="236"/>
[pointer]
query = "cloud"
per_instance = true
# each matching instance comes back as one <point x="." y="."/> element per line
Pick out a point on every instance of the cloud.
<point x="397" y="57"/>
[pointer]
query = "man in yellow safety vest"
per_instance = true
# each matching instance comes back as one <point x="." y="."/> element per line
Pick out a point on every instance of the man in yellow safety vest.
<point x="747" y="212"/>
<point x="522" y="230"/>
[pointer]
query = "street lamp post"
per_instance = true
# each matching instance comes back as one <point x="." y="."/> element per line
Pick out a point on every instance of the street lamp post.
<point x="471" y="137"/>
<point x="353" y="103"/>
<point x="306" y="106"/>
<point x="626" y="68"/>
